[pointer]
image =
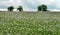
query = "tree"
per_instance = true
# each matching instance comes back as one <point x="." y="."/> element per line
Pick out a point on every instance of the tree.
<point x="10" y="8"/>
<point x="39" y="8"/>
<point x="42" y="8"/>
<point x="20" y="8"/>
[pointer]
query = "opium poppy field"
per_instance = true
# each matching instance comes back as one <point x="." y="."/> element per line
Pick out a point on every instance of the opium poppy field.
<point x="29" y="23"/>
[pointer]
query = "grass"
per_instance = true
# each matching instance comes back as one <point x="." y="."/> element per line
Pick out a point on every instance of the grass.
<point x="29" y="23"/>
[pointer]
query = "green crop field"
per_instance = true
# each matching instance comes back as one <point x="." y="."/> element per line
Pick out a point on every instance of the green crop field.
<point x="29" y="23"/>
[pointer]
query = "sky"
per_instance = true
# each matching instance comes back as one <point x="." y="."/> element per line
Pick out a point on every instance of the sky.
<point x="30" y="5"/>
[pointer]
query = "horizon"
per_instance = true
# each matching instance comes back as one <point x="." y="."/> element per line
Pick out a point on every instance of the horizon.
<point x="27" y="10"/>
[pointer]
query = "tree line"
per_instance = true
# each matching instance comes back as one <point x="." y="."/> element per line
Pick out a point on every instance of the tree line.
<point x="42" y="7"/>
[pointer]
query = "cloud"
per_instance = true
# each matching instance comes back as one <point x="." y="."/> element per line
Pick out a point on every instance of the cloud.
<point x="4" y="0"/>
<point x="30" y="4"/>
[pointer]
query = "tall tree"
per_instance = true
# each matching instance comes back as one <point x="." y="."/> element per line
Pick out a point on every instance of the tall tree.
<point x="42" y="7"/>
<point x="20" y="8"/>
<point x="39" y="8"/>
<point x="10" y="8"/>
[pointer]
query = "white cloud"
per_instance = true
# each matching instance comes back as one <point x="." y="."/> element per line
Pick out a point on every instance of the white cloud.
<point x="4" y="0"/>
<point x="55" y="10"/>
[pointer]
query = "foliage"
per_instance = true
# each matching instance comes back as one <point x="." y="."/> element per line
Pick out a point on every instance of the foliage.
<point x="42" y="8"/>
<point x="10" y="8"/>
<point x="20" y="8"/>
<point x="39" y="8"/>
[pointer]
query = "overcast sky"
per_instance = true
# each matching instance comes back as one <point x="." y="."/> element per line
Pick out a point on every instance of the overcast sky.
<point x="30" y="4"/>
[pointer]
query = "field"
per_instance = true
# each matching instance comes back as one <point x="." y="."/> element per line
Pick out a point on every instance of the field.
<point x="29" y="23"/>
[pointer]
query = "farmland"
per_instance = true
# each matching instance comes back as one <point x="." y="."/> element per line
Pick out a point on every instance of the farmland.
<point x="29" y="23"/>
